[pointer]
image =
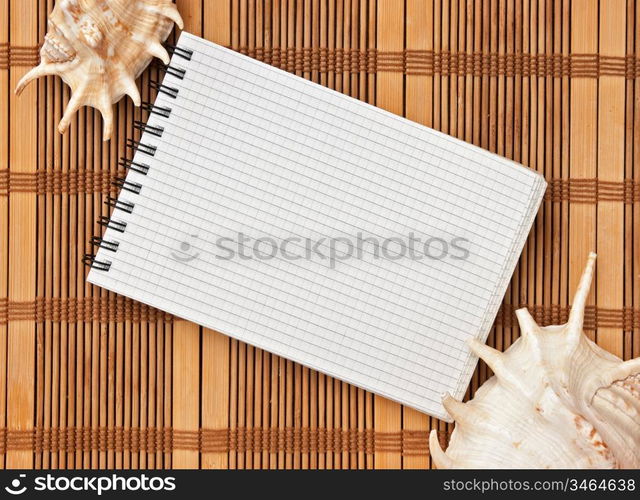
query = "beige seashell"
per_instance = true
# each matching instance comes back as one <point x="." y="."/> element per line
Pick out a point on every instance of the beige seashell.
<point x="100" y="47"/>
<point x="557" y="400"/>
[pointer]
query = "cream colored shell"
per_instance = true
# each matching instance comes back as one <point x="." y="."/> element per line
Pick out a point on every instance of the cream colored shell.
<point x="99" y="48"/>
<point x="557" y="400"/>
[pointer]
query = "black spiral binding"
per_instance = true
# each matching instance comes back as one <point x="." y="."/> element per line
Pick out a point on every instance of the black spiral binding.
<point x="164" y="89"/>
<point x="124" y="206"/>
<point x="139" y="167"/>
<point x="172" y="70"/>
<point x="179" y="51"/>
<point x="145" y="127"/>
<point x="112" y="246"/>
<point x="157" y="110"/>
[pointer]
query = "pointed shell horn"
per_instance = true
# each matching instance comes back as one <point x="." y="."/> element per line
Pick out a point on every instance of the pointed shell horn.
<point x="527" y="324"/>
<point x="43" y="69"/>
<point x="576" y="316"/>
<point x="456" y="409"/>
<point x="75" y="103"/>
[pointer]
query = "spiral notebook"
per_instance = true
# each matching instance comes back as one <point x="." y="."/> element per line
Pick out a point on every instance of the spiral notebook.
<point x="315" y="226"/>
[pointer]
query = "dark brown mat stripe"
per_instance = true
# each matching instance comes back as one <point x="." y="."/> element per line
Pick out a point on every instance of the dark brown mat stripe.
<point x="410" y="62"/>
<point x="22" y="56"/>
<point x="72" y="310"/>
<point x="271" y="440"/>
<point x="627" y="318"/>
<point x="588" y="191"/>
<point x="592" y="191"/>
<point x="118" y="309"/>
<point x="4" y="56"/>
<point x="58" y="181"/>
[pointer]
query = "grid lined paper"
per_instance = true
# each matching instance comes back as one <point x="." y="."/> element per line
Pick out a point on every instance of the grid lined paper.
<point x="254" y="150"/>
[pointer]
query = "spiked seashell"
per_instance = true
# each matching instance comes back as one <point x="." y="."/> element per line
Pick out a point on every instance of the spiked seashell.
<point x="557" y="400"/>
<point x="99" y="48"/>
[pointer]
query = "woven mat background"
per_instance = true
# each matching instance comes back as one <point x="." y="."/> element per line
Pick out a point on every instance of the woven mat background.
<point x="92" y="380"/>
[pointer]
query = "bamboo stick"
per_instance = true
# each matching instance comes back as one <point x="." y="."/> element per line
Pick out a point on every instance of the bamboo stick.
<point x="611" y="168"/>
<point x="289" y="39"/>
<point x="388" y="415"/>
<point x="522" y="144"/>
<point x="268" y="400"/>
<point x="215" y="346"/>
<point x="64" y="285"/>
<point x="258" y="397"/>
<point x="539" y="235"/>
<point x="281" y="382"/>
<point x="123" y="329"/>
<point x="353" y="77"/>
<point x="500" y="122"/>
<point x="275" y="407"/>
<point x="235" y="345"/>
<point x="546" y="124"/>
<point x="22" y="244"/>
<point x="4" y="223"/>
<point x="474" y="46"/>
<point x="554" y="148"/>
<point x="148" y="339"/>
<point x="266" y="410"/>
<point x="300" y="390"/>
<point x="56" y="265"/>
<point x="90" y="323"/>
<point x="628" y="174"/>
<point x="341" y="85"/>
<point x="40" y="292"/>
<point x="372" y="37"/>
<point x="186" y="336"/>
<point x="72" y="265"/>
<point x="636" y="177"/>
<point x="256" y="456"/>
<point x="242" y="347"/>
<point x="565" y="144"/>
<point x="83" y="290"/>
<point x="102" y="358"/>
<point x="418" y="101"/>
<point x="583" y="139"/>
<point x="306" y="17"/>
<point x="359" y="460"/>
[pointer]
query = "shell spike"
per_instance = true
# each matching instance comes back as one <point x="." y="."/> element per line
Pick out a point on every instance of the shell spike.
<point x="157" y="50"/>
<point x="576" y="316"/>
<point x="106" y="110"/>
<point x="131" y="89"/>
<point x="75" y="103"/>
<point x="489" y="355"/>
<point x="440" y="458"/>
<point x="459" y="411"/>
<point x="495" y="360"/>
<point x="172" y="13"/>
<point x="528" y="325"/>
<point x="43" y="69"/>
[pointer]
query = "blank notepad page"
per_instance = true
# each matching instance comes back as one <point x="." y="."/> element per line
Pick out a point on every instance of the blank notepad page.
<point x="317" y="227"/>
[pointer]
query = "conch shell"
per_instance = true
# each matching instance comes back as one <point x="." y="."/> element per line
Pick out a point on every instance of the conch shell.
<point x="557" y="400"/>
<point x="99" y="48"/>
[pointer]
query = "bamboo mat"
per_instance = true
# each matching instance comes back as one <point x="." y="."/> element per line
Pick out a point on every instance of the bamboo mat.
<point x="93" y="380"/>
